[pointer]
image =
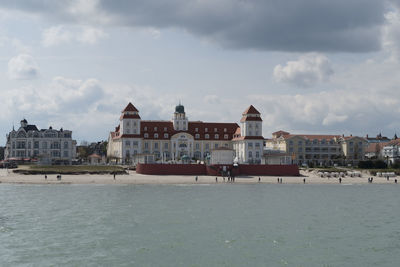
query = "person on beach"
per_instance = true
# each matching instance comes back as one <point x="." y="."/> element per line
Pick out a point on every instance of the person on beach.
<point x="216" y="179"/>
<point x="340" y="180"/>
<point x="387" y="178"/>
<point x="304" y="180"/>
<point x="395" y="181"/>
<point x="259" y="179"/>
<point x="114" y="175"/>
<point x="196" y="178"/>
<point x="277" y="179"/>
<point x="45" y="177"/>
<point x="281" y="180"/>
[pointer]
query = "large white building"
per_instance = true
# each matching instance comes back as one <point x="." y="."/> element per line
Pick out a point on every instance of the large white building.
<point x="180" y="137"/>
<point x="49" y="146"/>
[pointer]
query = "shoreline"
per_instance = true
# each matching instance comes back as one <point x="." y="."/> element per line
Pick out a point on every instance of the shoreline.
<point x="139" y="179"/>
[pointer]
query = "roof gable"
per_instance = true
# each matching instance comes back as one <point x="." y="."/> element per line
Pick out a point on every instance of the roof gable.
<point x="130" y="107"/>
<point x="251" y="110"/>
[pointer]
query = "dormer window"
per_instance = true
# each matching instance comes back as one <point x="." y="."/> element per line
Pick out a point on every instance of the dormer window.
<point x="165" y="129"/>
<point x="197" y="136"/>
<point x="156" y="135"/>
<point x="225" y="136"/>
<point x="206" y="136"/>
<point x="155" y="129"/>
<point x="225" y="130"/>
<point x="146" y="135"/>
<point x="216" y="136"/>
<point x="206" y="129"/>
<point x="215" y="130"/>
<point x="145" y="128"/>
<point x="165" y="135"/>
<point x="196" y="130"/>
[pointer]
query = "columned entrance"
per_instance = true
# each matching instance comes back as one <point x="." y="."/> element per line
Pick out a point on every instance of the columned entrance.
<point x="182" y="144"/>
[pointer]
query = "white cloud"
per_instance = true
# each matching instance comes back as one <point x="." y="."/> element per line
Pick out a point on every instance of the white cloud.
<point x="56" y="35"/>
<point x="391" y="34"/>
<point x="22" y="67"/>
<point x="308" y="70"/>
<point x="61" y="34"/>
<point x="332" y="118"/>
<point x="211" y="99"/>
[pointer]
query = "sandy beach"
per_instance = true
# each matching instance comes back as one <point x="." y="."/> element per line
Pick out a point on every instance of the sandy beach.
<point x="7" y="176"/>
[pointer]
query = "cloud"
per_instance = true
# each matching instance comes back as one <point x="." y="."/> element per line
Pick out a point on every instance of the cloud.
<point x="211" y="99"/>
<point x="308" y="70"/>
<point x="22" y="67"/>
<point x="61" y="34"/>
<point x="334" y="119"/>
<point x="302" y="25"/>
<point x="391" y="34"/>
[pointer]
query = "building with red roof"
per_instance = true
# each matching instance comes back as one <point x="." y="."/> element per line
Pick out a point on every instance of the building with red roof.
<point x="171" y="140"/>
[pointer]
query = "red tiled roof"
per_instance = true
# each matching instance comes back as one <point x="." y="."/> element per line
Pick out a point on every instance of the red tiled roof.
<point x="393" y="142"/>
<point x="129" y="116"/>
<point x="251" y="110"/>
<point x="131" y="108"/>
<point x="246" y="118"/>
<point x="95" y="156"/>
<point x="374" y="147"/>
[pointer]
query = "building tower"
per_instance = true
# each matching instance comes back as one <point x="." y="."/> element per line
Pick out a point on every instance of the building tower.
<point x="130" y="121"/>
<point x="251" y="122"/>
<point x="24" y="123"/>
<point x="180" y="120"/>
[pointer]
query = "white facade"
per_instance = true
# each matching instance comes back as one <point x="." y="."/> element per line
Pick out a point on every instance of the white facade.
<point x="391" y="152"/>
<point x="47" y="145"/>
<point x="172" y="140"/>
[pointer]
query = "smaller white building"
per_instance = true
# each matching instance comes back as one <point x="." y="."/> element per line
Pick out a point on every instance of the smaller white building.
<point x="391" y="151"/>
<point x="222" y="155"/>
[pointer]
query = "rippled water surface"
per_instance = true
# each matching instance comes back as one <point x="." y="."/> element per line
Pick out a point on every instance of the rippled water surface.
<point x="216" y="225"/>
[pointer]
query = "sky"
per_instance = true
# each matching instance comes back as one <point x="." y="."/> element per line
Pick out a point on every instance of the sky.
<point x="309" y="66"/>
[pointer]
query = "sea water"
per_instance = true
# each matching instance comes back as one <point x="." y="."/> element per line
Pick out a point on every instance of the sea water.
<point x="194" y="225"/>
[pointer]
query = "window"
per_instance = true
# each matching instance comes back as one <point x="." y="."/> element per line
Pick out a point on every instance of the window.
<point x="135" y="143"/>
<point x="196" y="130"/>
<point x="127" y="143"/>
<point x="156" y="135"/>
<point x="226" y="145"/>
<point x="257" y="154"/>
<point x="155" y="145"/>
<point x="250" y="154"/>
<point x="128" y="131"/>
<point x="127" y="123"/>
<point x="165" y="145"/>
<point x="315" y="141"/>
<point x="44" y="145"/>
<point x="165" y="135"/>
<point x="300" y="143"/>
<point x="250" y="145"/>
<point x="155" y="129"/>
<point x="134" y="131"/>
<point x="250" y="133"/>
<point x="215" y="130"/>
<point x="206" y="136"/>
<point x="65" y="145"/>
<point x="35" y="144"/>
<point x="216" y="136"/>
<point x="291" y="142"/>
<point x="145" y="128"/>
<point x="146" y="135"/>
<point x="257" y="144"/>
<point x="215" y="145"/>
<point x="165" y="129"/>
<point x="134" y="123"/>
<point x="29" y="145"/>
<point x="207" y="146"/>
<point x="226" y="136"/>
<point x="146" y="145"/>
<point x="66" y="154"/>
<point x="225" y="130"/>
<point x="197" y="146"/>
<point x="197" y="136"/>
<point x="206" y="129"/>
<point x="351" y="143"/>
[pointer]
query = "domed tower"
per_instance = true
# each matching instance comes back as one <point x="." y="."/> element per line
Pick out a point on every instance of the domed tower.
<point x="251" y="122"/>
<point x="180" y="121"/>
<point x="130" y="120"/>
